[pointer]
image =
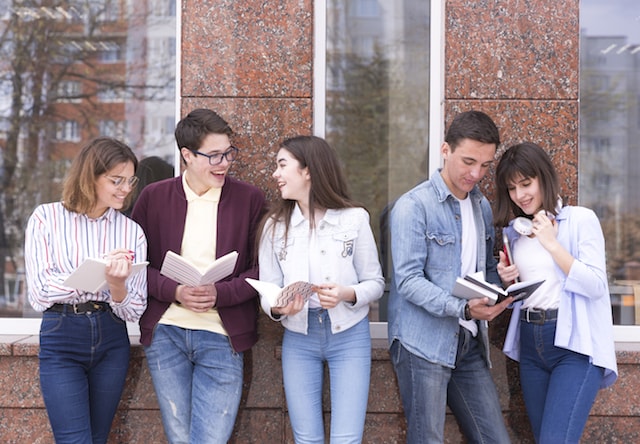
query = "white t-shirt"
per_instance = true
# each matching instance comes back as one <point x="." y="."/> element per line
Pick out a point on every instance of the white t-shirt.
<point x="534" y="263"/>
<point x="469" y="255"/>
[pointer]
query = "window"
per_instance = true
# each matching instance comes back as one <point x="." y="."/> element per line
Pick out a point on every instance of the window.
<point x="110" y="52"/>
<point x="108" y="94"/>
<point x="113" y="128"/>
<point x="609" y="177"/>
<point x="373" y="100"/>
<point x="69" y="91"/>
<point x="68" y="131"/>
<point x="105" y="11"/>
<point x="69" y="99"/>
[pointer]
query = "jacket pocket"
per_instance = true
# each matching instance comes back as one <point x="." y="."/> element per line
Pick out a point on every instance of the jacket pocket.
<point x="347" y="242"/>
<point x="441" y="250"/>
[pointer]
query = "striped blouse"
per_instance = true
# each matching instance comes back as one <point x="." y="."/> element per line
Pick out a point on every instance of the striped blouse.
<point x="57" y="241"/>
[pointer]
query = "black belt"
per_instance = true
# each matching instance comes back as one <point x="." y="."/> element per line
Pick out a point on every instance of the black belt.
<point x="82" y="308"/>
<point x="534" y="316"/>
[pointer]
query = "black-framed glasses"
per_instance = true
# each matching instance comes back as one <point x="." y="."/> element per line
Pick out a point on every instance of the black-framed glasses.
<point x="216" y="158"/>
<point x="119" y="181"/>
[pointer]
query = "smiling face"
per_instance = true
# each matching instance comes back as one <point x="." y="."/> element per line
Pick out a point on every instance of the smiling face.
<point x="465" y="166"/>
<point x="200" y="174"/>
<point x="294" y="182"/>
<point x="108" y="195"/>
<point x="526" y="193"/>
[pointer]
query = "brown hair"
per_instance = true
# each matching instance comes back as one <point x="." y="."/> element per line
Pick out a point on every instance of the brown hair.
<point x="96" y="158"/>
<point x="329" y="189"/>
<point x="529" y="161"/>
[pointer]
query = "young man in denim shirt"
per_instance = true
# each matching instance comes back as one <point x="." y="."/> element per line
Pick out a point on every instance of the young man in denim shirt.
<point x="440" y="230"/>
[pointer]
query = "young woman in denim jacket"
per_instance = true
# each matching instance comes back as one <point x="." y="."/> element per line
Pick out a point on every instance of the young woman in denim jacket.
<point x="563" y="333"/>
<point x="317" y="234"/>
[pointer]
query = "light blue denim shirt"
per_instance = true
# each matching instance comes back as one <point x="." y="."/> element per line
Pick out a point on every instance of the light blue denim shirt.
<point x="426" y="233"/>
<point x="345" y="240"/>
<point x="585" y="322"/>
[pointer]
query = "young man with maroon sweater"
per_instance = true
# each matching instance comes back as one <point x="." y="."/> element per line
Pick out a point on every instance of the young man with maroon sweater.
<point x="194" y="337"/>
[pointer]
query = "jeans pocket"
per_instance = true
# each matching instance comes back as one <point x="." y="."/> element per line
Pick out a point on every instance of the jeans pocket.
<point x="115" y="317"/>
<point x="50" y="323"/>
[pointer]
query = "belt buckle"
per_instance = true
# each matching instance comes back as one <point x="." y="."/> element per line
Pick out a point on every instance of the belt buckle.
<point x="540" y="320"/>
<point x="75" y="309"/>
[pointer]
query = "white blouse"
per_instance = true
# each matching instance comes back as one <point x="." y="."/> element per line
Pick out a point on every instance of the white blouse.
<point x="57" y="241"/>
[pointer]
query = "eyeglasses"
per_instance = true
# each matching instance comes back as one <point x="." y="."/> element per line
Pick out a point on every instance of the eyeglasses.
<point x="216" y="158"/>
<point x="119" y="181"/>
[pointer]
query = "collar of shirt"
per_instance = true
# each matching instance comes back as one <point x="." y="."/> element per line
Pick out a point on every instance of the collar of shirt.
<point x="212" y="194"/>
<point x="331" y="217"/>
<point x="108" y="215"/>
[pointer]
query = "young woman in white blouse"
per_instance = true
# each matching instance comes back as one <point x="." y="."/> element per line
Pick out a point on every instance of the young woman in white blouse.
<point x="562" y="334"/>
<point x="84" y="345"/>
<point x="317" y="234"/>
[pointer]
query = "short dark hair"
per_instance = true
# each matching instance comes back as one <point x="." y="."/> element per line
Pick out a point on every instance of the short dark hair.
<point x="95" y="158"/>
<point x="474" y="125"/>
<point x="529" y="161"/>
<point x="198" y="124"/>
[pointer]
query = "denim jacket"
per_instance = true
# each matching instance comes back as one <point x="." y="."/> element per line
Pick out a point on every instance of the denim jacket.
<point x="426" y="232"/>
<point x="584" y="323"/>
<point x="345" y="238"/>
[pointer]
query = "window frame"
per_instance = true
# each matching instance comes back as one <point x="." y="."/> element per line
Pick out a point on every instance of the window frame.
<point x="31" y="326"/>
<point x="436" y="94"/>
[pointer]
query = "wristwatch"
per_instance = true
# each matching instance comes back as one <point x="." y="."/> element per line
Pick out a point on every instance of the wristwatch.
<point x="467" y="312"/>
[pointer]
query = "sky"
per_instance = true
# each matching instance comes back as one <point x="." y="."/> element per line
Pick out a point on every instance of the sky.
<point x="611" y="17"/>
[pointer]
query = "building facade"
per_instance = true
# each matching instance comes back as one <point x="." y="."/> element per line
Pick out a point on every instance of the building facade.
<point x="255" y="63"/>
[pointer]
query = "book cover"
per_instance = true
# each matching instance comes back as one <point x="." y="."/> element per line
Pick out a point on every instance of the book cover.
<point x="279" y="297"/>
<point x="184" y="272"/>
<point x="90" y="275"/>
<point x="474" y="286"/>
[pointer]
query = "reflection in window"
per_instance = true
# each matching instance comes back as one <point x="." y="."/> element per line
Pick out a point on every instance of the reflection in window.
<point x="377" y="101"/>
<point x="111" y="52"/>
<point x="67" y="131"/>
<point x="610" y="141"/>
<point x="70" y="90"/>
<point x="112" y="128"/>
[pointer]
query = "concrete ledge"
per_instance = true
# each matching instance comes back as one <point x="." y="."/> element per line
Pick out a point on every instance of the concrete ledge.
<point x="615" y="416"/>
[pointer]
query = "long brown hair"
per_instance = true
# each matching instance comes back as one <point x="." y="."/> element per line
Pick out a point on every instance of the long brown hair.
<point x="329" y="189"/>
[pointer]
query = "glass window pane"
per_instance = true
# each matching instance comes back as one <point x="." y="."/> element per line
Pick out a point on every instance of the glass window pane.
<point x="377" y="101"/>
<point x="82" y="72"/>
<point x="609" y="173"/>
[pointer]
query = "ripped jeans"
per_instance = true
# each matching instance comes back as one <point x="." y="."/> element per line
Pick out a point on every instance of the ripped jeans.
<point x="198" y="381"/>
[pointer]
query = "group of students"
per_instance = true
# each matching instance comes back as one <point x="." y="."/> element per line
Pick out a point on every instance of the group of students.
<point x="194" y="337"/>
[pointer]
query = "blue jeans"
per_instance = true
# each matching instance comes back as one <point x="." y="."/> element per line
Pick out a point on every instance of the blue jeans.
<point x="348" y="357"/>
<point x="468" y="389"/>
<point x="83" y="365"/>
<point x="197" y="377"/>
<point x="559" y="386"/>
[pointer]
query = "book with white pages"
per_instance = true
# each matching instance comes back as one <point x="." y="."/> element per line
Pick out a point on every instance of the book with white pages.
<point x="184" y="272"/>
<point x="474" y="286"/>
<point x="91" y="276"/>
<point x="279" y="297"/>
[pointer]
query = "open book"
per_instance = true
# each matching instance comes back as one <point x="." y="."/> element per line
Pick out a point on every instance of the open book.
<point x="474" y="286"/>
<point x="279" y="297"/>
<point x="90" y="275"/>
<point x="184" y="272"/>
